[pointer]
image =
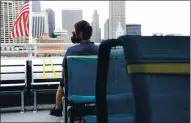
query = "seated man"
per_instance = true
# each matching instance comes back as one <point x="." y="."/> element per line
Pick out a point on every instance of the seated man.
<point x="82" y="34"/>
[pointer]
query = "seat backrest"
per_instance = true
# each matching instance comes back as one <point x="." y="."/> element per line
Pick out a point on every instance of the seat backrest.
<point x="82" y="72"/>
<point x="46" y="70"/>
<point x="120" y="100"/>
<point x="112" y="87"/>
<point x="81" y="75"/>
<point x="122" y="79"/>
<point x="13" y="72"/>
<point x="162" y="64"/>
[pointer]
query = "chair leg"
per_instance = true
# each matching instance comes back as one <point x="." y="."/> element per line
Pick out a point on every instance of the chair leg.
<point x="22" y="102"/>
<point x="65" y="110"/>
<point x="63" y="107"/>
<point x="35" y="101"/>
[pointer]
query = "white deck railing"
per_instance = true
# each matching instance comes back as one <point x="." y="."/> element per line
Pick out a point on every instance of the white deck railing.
<point x="31" y="47"/>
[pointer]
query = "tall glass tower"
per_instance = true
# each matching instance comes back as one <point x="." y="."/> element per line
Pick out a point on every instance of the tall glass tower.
<point x="116" y="14"/>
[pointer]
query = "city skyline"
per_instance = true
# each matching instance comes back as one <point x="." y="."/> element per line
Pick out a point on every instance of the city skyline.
<point x="96" y="35"/>
<point x="146" y="13"/>
<point x="167" y="25"/>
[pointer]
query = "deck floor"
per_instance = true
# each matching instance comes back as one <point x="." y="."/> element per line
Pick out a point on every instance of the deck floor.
<point x="29" y="116"/>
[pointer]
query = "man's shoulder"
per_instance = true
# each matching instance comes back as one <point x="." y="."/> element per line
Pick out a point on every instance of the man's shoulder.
<point x="73" y="48"/>
<point x="81" y="49"/>
<point x="78" y="47"/>
<point x="94" y="46"/>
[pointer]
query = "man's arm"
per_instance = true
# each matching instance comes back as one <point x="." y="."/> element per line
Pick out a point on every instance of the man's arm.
<point x="68" y="53"/>
<point x="62" y="72"/>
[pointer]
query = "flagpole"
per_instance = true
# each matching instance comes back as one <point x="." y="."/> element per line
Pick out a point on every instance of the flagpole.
<point x="30" y="21"/>
<point x="30" y="27"/>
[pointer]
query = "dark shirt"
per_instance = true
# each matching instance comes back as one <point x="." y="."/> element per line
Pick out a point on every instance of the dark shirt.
<point x="82" y="49"/>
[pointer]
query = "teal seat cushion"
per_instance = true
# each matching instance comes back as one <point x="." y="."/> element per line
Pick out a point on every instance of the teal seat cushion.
<point x="118" y="118"/>
<point x="91" y="99"/>
<point x="82" y="99"/>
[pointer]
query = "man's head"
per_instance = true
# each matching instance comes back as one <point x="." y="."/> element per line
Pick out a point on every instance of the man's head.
<point x="83" y="31"/>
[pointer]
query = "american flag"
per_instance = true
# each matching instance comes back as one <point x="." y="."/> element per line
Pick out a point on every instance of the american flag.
<point x="21" y="24"/>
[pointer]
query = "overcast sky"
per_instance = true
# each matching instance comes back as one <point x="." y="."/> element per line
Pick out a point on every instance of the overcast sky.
<point x="154" y="16"/>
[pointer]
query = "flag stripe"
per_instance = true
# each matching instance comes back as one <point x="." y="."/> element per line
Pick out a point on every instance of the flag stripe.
<point x="21" y="24"/>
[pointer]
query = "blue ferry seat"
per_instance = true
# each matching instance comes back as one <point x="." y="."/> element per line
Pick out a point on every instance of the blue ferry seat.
<point x="160" y="77"/>
<point x="80" y="76"/>
<point x="162" y="64"/>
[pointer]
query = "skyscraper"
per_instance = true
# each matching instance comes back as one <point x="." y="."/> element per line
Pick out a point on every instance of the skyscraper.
<point x="133" y="29"/>
<point x="106" y="30"/>
<point x="69" y="18"/>
<point x="96" y="35"/>
<point x="119" y="31"/>
<point x="116" y="15"/>
<point x="39" y="24"/>
<point x="100" y="34"/>
<point x="36" y="7"/>
<point x="51" y="21"/>
<point x="9" y="12"/>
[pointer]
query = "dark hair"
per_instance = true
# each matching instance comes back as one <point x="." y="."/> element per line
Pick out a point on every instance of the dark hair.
<point x="84" y="27"/>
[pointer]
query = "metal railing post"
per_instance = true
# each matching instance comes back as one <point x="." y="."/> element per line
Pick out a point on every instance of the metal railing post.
<point x="35" y="101"/>
<point x="30" y="50"/>
<point x="22" y="102"/>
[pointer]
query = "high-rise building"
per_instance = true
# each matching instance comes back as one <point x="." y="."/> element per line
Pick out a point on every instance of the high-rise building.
<point x="9" y="13"/>
<point x="106" y="30"/>
<point x="39" y="24"/>
<point x="69" y="18"/>
<point x="116" y="15"/>
<point x="36" y="7"/>
<point x="119" y="31"/>
<point x="96" y="37"/>
<point x="133" y="29"/>
<point x="51" y="21"/>
<point x="100" y="34"/>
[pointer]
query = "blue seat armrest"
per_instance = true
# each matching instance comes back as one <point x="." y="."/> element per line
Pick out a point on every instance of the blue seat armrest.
<point x="82" y="99"/>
